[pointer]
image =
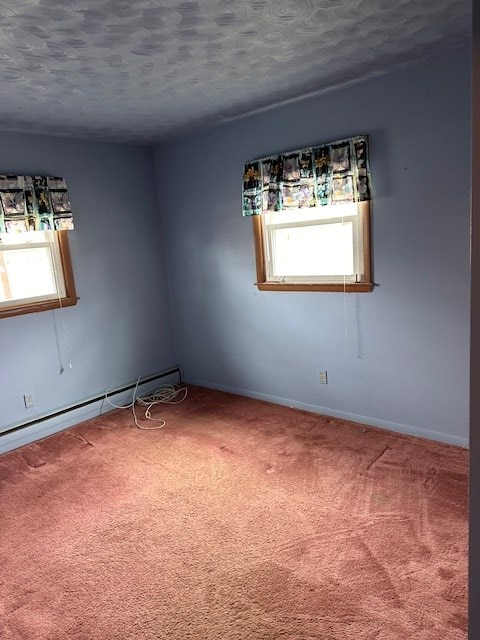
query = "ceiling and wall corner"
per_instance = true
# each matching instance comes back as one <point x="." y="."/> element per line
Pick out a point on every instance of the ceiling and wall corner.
<point x="144" y="71"/>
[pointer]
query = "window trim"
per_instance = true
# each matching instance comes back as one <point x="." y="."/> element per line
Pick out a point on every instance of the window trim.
<point x="359" y="287"/>
<point x="69" y="300"/>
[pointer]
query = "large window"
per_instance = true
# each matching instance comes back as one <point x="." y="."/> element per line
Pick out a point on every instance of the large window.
<point x="323" y="248"/>
<point x="35" y="272"/>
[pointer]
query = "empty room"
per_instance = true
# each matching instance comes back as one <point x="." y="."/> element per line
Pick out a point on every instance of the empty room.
<point x="239" y="320"/>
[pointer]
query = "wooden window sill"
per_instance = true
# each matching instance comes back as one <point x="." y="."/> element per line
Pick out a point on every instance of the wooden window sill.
<point x="35" y="307"/>
<point x="352" y="287"/>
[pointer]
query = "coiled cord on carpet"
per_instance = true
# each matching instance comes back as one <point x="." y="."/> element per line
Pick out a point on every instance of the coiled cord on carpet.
<point x="166" y="394"/>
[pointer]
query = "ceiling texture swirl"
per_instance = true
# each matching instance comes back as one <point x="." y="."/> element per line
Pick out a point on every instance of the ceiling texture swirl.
<point x="147" y="70"/>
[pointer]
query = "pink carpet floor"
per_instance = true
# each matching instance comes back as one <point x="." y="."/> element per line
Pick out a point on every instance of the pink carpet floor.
<point x="240" y="520"/>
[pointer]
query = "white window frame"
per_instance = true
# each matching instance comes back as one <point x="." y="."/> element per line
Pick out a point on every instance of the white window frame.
<point x="264" y="229"/>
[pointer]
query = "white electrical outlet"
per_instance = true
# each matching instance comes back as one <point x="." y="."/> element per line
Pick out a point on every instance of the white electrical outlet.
<point x="28" y="400"/>
<point x="322" y="377"/>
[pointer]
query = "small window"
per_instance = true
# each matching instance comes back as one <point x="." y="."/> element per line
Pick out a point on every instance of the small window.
<point x="325" y="248"/>
<point x="35" y="272"/>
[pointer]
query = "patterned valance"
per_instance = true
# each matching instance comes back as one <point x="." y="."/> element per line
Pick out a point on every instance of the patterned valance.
<point x="331" y="173"/>
<point x="34" y="203"/>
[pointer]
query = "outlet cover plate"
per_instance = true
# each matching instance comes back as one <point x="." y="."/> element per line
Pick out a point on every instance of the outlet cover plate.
<point x="28" y="400"/>
<point x="322" y="377"/>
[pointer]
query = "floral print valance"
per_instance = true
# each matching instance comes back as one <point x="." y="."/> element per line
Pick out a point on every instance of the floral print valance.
<point x="330" y="173"/>
<point x="34" y="203"/>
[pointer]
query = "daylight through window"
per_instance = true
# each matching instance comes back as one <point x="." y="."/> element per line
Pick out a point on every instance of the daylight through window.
<point x="320" y="248"/>
<point x="35" y="272"/>
<point x="311" y="217"/>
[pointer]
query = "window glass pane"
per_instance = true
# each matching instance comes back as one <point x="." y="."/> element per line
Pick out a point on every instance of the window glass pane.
<point x="26" y="273"/>
<point x="313" y="250"/>
<point x="26" y="236"/>
<point x="35" y="272"/>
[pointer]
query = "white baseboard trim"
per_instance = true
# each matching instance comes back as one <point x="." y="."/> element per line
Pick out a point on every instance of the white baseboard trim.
<point x="12" y="441"/>
<point x="353" y="417"/>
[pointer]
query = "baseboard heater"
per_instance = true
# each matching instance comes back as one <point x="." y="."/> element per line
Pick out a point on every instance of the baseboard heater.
<point x="98" y="398"/>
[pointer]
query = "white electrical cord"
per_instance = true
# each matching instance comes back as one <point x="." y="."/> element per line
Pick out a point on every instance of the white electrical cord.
<point x="167" y="394"/>
<point x="56" y="276"/>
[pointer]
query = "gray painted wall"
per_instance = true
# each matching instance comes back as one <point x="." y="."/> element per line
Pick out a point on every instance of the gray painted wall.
<point x="397" y="357"/>
<point x="121" y="327"/>
<point x="474" y="559"/>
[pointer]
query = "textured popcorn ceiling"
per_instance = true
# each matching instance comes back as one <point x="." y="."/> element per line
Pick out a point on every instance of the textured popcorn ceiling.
<point x="143" y="70"/>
